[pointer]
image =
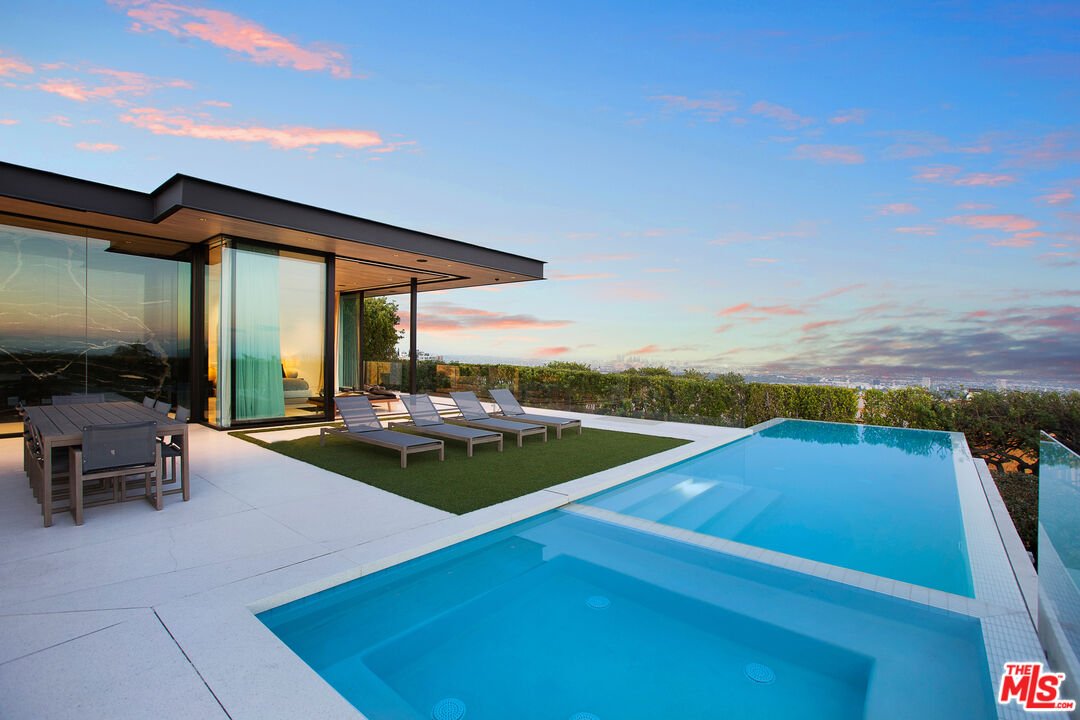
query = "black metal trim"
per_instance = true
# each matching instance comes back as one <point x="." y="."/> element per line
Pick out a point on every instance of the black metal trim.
<point x="329" y="344"/>
<point x="198" y="346"/>
<point x="412" y="336"/>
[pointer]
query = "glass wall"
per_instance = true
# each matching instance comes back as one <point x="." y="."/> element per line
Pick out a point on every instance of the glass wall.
<point x="266" y="332"/>
<point x="80" y="313"/>
<point x="1059" y="557"/>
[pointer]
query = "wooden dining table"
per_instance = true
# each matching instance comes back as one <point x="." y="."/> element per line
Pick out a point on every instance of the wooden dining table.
<point x="62" y="426"/>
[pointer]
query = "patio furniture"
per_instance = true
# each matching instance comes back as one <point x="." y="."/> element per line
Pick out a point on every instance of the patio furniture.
<point x="148" y="402"/>
<point x="61" y="427"/>
<point x="115" y="451"/>
<point x="512" y="410"/>
<point x="162" y="406"/>
<point x="172" y="448"/>
<point x="362" y="424"/>
<point x="474" y="415"/>
<point x="78" y="399"/>
<point x="426" y="419"/>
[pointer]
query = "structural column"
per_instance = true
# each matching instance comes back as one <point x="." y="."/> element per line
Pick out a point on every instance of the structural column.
<point x="360" y="340"/>
<point x="412" y="336"/>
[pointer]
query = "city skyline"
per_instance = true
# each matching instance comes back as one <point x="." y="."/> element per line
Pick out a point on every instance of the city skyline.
<point x="845" y="188"/>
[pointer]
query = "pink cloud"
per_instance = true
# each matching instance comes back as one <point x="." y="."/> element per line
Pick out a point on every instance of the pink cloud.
<point x="897" y="209"/>
<point x="645" y="350"/>
<point x="98" y="147"/>
<point x="809" y="327"/>
<point x="854" y="115"/>
<point x="830" y="154"/>
<point x="974" y="206"/>
<point x="1015" y="241"/>
<point x="837" y="291"/>
<point x="117" y="82"/>
<point x="441" y="318"/>
<point x="11" y="65"/>
<point x="917" y="230"/>
<point x="233" y="32"/>
<point x="762" y="260"/>
<point x="1050" y="151"/>
<point x="632" y="291"/>
<point x="741" y="307"/>
<point x="1006" y="222"/>
<point x="217" y="103"/>
<point x="393" y="146"/>
<point x="1060" y="196"/>
<point x="723" y="328"/>
<point x="950" y="175"/>
<point x="583" y="276"/>
<point x="760" y="309"/>
<point x="8" y="121"/>
<point x="61" y="120"/>
<point x="785" y="116"/>
<point x="162" y="122"/>
<point x="550" y="351"/>
<point x="709" y="108"/>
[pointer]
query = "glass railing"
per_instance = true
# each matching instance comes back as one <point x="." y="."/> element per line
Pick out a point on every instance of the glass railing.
<point x="1059" y="555"/>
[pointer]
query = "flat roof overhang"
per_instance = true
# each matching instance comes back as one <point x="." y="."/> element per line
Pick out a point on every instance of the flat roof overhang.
<point x="377" y="258"/>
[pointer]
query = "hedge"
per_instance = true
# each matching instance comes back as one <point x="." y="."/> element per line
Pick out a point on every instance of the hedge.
<point x="1001" y="426"/>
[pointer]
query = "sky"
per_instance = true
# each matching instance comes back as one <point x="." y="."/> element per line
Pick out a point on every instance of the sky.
<point x="777" y="187"/>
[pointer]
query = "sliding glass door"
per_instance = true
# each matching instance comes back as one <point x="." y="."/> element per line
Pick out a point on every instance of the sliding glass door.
<point x="265" y="333"/>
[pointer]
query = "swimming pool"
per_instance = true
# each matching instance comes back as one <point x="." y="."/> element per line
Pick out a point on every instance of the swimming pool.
<point x="874" y="499"/>
<point x="565" y="616"/>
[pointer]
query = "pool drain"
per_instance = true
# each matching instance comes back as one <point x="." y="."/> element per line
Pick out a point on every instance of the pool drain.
<point x="760" y="673"/>
<point x="448" y="709"/>
<point x="597" y="602"/>
<point x="584" y="716"/>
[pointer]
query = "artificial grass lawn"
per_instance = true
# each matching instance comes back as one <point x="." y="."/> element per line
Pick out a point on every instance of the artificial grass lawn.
<point x="460" y="484"/>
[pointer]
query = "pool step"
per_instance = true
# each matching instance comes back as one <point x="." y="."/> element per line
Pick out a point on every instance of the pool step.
<point x="706" y="506"/>
<point x="665" y="496"/>
<point x="740" y="514"/>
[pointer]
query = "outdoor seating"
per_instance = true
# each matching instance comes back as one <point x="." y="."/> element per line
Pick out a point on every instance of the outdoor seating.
<point x="474" y="415"/>
<point x="115" y="451"/>
<point x="426" y="419"/>
<point x="512" y="410"/>
<point x="148" y="402"/>
<point x="362" y="424"/>
<point x="172" y="448"/>
<point x="162" y="406"/>
<point x="78" y="399"/>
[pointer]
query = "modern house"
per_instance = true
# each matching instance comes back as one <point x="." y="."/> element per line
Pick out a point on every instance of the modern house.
<point x="241" y="306"/>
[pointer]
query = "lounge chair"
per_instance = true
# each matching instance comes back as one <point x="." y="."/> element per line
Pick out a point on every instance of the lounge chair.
<point x="511" y="410"/>
<point x="426" y="419"/>
<point x="362" y="424"/>
<point x="473" y="415"/>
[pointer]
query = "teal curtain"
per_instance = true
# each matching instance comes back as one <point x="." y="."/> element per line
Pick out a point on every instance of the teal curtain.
<point x="348" y="337"/>
<point x="258" y="392"/>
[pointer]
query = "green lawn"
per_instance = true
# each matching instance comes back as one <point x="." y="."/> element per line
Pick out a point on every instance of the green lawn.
<point x="460" y="484"/>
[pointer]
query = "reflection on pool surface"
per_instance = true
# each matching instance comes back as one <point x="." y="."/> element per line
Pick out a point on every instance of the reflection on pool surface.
<point x="878" y="500"/>
<point x="564" y="614"/>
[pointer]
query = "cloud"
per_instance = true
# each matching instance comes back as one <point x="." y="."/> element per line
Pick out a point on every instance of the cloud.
<point x="633" y="291"/>
<point x="10" y="65"/>
<point x="217" y="103"/>
<point x="762" y="260"/>
<point x="647" y="350"/>
<point x="723" y="328"/>
<point x="8" y="121"/>
<point x="897" y="209"/>
<point x="661" y="270"/>
<point x="974" y="206"/>
<point x="810" y="327"/>
<point x="785" y="116"/>
<point x="98" y="147"/>
<point x="748" y="308"/>
<point x="394" y="146"/>
<point x="1050" y="151"/>
<point x="550" y="351"/>
<point x="854" y="115"/>
<point x="741" y="307"/>
<point x="232" y="32"/>
<point x="440" y="318"/>
<point x="117" y="83"/>
<point x="917" y="230"/>
<point x="62" y="120"/>
<point x="584" y="276"/>
<point x="162" y="122"/>
<point x="710" y="108"/>
<point x="1005" y="222"/>
<point x="830" y="154"/>
<point x="1059" y="196"/>
<point x="836" y="291"/>
<point x="950" y="175"/>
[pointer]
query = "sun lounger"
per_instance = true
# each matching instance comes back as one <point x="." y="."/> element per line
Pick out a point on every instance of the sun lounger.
<point x="426" y="419"/>
<point x="473" y="415"/>
<point x="363" y="425"/>
<point x="511" y="410"/>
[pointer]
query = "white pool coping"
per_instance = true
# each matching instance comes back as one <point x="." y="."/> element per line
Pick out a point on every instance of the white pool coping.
<point x="203" y="616"/>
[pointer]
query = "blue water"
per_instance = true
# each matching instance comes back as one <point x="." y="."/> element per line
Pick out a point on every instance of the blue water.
<point x="563" y="614"/>
<point x="878" y="500"/>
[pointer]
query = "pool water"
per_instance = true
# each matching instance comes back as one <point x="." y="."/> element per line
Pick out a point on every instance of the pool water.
<point x="878" y="500"/>
<point x="564" y="614"/>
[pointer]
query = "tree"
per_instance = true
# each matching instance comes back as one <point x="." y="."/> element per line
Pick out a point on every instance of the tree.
<point x="381" y="335"/>
<point x="566" y="365"/>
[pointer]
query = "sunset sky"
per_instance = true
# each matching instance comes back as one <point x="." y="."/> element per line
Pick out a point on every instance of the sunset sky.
<point x="747" y="185"/>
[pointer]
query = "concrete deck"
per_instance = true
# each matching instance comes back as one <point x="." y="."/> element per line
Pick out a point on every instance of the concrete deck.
<point x="143" y="614"/>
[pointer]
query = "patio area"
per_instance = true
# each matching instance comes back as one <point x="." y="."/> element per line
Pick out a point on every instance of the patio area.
<point x="150" y="614"/>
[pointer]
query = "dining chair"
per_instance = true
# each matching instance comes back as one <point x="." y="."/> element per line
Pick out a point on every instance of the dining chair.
<point x="172" y="448"/>
<point x="115" y="451"/>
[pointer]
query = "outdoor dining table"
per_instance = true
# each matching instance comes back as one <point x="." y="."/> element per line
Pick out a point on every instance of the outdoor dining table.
<point x="62" y="426"/>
